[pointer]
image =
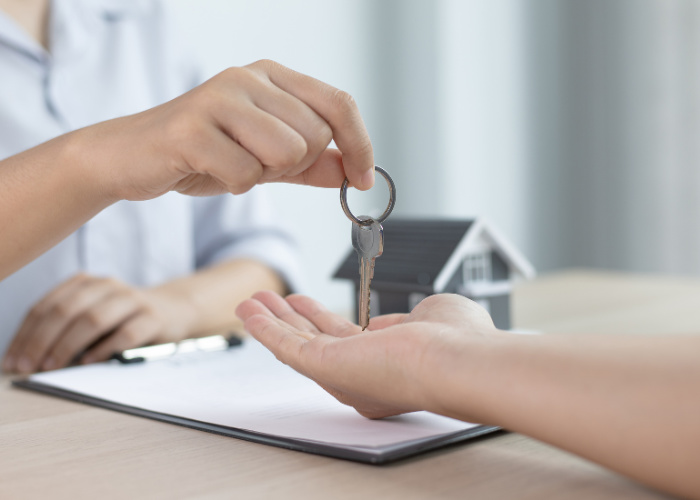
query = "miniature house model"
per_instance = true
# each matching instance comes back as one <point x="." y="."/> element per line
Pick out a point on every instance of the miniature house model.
<point x="422" y="257"/>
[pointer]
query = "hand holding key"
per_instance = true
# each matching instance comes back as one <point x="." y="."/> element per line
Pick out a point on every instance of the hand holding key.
<point x="368" y="242"/>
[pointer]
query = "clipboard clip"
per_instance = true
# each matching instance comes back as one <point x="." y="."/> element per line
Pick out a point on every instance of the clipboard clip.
<point x="163" y="351"/>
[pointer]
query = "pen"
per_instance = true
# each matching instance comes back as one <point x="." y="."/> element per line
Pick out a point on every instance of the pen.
<point x="162" y="351"/>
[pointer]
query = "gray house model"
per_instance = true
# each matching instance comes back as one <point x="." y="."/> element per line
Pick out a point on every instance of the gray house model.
<point x="422" y="257"/>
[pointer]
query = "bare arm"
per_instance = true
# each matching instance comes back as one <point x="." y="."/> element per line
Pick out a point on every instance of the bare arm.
<point x="250" y="125"/>
<point x="629" y="403"/>
<point x="89" y="318"/>
<point x="46" y="193"/>
<point x="215" y="292"/>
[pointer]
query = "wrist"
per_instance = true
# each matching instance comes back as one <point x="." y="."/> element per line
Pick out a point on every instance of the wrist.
<point x="89" y="164"/>
<point x="463" y="376"/>
<point x="179" y="312"/>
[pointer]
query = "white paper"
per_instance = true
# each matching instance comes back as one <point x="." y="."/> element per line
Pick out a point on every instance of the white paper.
<point x="246" y="388"/>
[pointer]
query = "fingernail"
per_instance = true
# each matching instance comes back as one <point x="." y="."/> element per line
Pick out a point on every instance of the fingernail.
<point x="49" y="364"/>
<point x="24" y="365"/>
<point x="368" y="179"/>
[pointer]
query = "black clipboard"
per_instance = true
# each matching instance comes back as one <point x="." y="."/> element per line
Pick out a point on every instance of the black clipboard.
<point x="370" y="456"/>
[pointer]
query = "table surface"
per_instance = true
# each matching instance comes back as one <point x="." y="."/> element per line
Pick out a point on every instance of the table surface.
<point x="54" y="448"/>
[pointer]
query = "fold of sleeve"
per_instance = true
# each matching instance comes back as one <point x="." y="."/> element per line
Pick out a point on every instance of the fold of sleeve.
<point x="244" y="226"/>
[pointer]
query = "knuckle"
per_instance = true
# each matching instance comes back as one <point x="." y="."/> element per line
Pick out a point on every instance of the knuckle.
<point x="325" y="133"/>
<point x="364" y="147"/>
<point x="322" y="134"/>
<point x="108" y="285"/>
<point x="62" y="311"/>
<point x="288" y="156"/>
<point x="112" y="282"/>
<point x="37" y="312"/>
<point x="242" y="189"/>
<point x="248" y="176"/>
<point x="93" y="320"/>
<point x="243" y="77"/>
<point x="129" y="335"/>
<point x="242" y="186"/>
<point x="137" y="296"/>
<point x="294" y="153"/>
<point x="149" y="310"/>
<point x="265" y="65"/>
<point x="229" y="74"/>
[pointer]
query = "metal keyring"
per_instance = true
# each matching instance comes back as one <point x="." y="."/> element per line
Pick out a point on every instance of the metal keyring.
<point x="389" y="208"/>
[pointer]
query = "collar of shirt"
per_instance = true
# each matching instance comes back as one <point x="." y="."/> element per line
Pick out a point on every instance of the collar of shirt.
<point x="71" y="22"/>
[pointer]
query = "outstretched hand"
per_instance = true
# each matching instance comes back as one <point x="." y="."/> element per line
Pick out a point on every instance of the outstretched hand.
<point x="396" y="366"/>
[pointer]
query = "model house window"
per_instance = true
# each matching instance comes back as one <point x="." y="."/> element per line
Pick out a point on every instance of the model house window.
<point x="477" y="267"/>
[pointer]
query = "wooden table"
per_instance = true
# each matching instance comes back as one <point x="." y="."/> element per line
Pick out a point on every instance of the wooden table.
<point x="51" y="448"/>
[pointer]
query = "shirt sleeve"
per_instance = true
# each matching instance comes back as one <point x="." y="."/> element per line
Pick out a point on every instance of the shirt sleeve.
<point x="227" y="226"/>
<point x="244" y="226"/>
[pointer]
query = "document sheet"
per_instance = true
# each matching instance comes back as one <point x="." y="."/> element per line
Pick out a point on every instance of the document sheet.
<point x="246" y="388"/>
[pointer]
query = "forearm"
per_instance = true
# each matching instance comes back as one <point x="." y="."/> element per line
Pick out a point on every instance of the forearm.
<point x="630" y="403"/>
<point x="215" y="292"/>
<point x="46" y="193"/>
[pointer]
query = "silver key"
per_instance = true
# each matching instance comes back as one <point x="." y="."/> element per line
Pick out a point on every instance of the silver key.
<point x="368" y="242"/>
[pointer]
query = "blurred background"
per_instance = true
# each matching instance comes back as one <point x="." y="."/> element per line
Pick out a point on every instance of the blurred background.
<point x="571" y="125"/>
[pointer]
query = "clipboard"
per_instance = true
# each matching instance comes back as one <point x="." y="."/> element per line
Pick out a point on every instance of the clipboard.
<point x="245" y="393"/>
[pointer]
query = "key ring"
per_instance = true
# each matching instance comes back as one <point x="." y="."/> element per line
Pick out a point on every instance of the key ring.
<point x="389" y="208"/>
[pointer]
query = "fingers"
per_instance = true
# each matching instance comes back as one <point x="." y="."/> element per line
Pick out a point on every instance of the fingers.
<point x="279" y="337"/>
<point x="214" y="154"/>
<point x="313" y="129"/>
<point x="281" y="309"/>
<point x="89" y="327"/>
<point x="276" y="145"/>
<point x="93" y="318"/>
<point x="141" y="329"/>
<point x="385" y="321"/>
<point x="300" y="313"/>
<point x="50" y="317"/>
<point x="322" y="319"/>
<point x="339" y="110"/>
<point x="13" y="353"/>
<point x="262" y="123"/>
<point x="327" y="171"/>
<point x="277" y="125"/>
<point x="360" y="370"/>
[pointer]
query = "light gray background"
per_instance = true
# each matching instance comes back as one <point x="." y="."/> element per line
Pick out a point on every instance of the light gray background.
<point x="571" y="125"/>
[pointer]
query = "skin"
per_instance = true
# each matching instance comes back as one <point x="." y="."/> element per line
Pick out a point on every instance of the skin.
<point x="32" y="15"/>
<point x="227" y="135"/>
<point x="246" y="126"/>
<point x="87" y="318"/>
<point x="609" y="399"/>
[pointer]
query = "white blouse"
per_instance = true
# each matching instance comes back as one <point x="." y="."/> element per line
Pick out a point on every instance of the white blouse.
<point x="109" y="59"/>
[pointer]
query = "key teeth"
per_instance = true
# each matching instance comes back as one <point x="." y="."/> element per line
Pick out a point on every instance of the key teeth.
<point x="369" y="302"/>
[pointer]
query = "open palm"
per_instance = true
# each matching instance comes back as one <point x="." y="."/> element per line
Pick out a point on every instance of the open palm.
<point x="384" y="371"/>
